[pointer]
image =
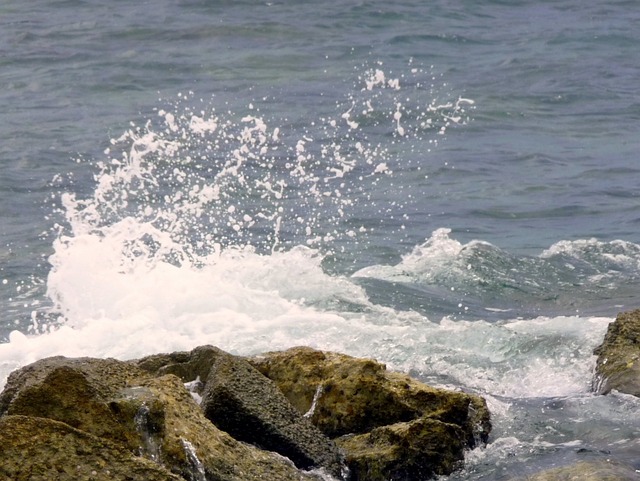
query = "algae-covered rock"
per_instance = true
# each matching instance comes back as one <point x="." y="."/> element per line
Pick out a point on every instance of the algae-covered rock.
<point x="346" y="395"/>
<point x="413" y="450"/>
<point x="390" y="425"/>
<point x="586" y="471"/>
<point x="120" y="404"/>
<point x="138" y="417"/>
<point x="37" y="449"/>
<point x="618" y="364"/>
<point x="77" y="392"/>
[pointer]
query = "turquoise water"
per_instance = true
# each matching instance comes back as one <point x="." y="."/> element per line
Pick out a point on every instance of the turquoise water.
<point x="449" y="187"/>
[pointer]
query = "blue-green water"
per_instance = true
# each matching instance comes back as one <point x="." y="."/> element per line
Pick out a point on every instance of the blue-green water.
<point x="450" y="187"/>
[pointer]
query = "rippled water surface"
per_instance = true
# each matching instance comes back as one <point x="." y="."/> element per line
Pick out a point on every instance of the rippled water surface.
<point x="449" y="187"/>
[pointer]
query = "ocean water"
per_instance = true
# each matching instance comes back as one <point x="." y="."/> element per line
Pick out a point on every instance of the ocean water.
<point x="449" y="187"/>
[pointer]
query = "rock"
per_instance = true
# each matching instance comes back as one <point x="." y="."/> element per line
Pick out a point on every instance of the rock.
<point x="137" y="417"/>
<point x="418" y="449"/>
<point x="587" y="471"/>
<point x="354" y="396"/>
<point x="77" y="392"/>
<point x="241" y="401"/>
<point x="618" y="364"/>
<point x="121" y="404"/>
<point x="247" y="405"/>
<point x="37" y="449"/>
<point x="188" y="366"/>
<point x="390" y="425"/>
<point x="191" y="443"/>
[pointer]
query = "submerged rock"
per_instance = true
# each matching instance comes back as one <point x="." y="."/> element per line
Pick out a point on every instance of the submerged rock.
<point x="618" y="364"/>
<point x="586" y="471"/>
<point x="393" y="426"/>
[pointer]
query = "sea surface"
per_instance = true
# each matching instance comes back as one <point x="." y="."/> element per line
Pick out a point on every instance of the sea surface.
<point x="450" y="187"/>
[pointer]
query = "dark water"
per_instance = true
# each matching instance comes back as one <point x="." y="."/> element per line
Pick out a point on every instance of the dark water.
<point x="461" y="176"/>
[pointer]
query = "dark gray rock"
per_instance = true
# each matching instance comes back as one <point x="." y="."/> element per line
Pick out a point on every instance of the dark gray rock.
<point x="241" y="401"/>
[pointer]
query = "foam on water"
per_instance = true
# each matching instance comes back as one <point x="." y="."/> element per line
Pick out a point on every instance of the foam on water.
<point x="207" y="227"/>
<point x="210" y="227"/>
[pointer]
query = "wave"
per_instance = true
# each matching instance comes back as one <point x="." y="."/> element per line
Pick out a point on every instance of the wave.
<point x="585" y="275"/>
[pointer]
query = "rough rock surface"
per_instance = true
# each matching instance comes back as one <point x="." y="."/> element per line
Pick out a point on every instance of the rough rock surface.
<point x="586" y="471"/>
<point x="418" y="449"/>
<point x="37" y="449"/>
<point x="99" y="419"/>
<point x="120" y="404"/>
<point x="392" y="426"/>
<point x="188" y="365"/>
<point x="618" y="364"/>
<point x="242" y="402"/>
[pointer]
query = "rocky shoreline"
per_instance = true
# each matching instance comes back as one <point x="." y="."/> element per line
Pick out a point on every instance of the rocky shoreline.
<point x="292" y="415"/>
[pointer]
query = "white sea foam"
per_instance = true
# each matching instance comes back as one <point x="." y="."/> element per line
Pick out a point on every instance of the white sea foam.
<point x="203" y="229"/>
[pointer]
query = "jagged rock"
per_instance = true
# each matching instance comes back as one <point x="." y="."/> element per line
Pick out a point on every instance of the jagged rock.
<point x="354" y="396"/>
<point x="618" y="364"/>
<point x="391" y="426"/>
<point x="246" y="404"/>
<point x="418" y="449"/>
<point x="192" y="443"/>
<point x="241" y="401"/>
<point x="586" y="471"/>
<point x="188" y="366"/>
<point x="74" y="391"/>
<point x="155" y="418"/>
<point x="37" y="449"/>
<point x="403" y="428"/>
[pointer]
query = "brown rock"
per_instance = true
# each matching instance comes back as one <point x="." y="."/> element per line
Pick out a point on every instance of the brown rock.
<point x="354" y="396"/>
<point x="119" y="404"/>
<point x="390" y="425"/>
<point x="618" y="364"/>
<point x="37" y="449"/>
<point x="413" y="450"/>
<point x="74" y="391"/>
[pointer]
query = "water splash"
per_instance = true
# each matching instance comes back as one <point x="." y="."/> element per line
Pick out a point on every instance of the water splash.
<point x="150" y="445"/>
<point x="197" y="472"/>
<point x="193" y="180"/>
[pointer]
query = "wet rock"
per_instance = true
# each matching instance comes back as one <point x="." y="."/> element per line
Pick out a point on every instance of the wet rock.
<point x="188" y="366"/>
<point x="138" y="416"/>
<point x="586" y="471"/>
<point x="390" y="425"/>
<point x="241" y="401"/>
<point x="77" y="392"/>
<point x="122" y="405"/>
<point x="413" y="450"/>
<point x="198" y="450"/>
<point x="37" y="449"/>
<point x="346" y="395"/>
<point x="618" y="364"/>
